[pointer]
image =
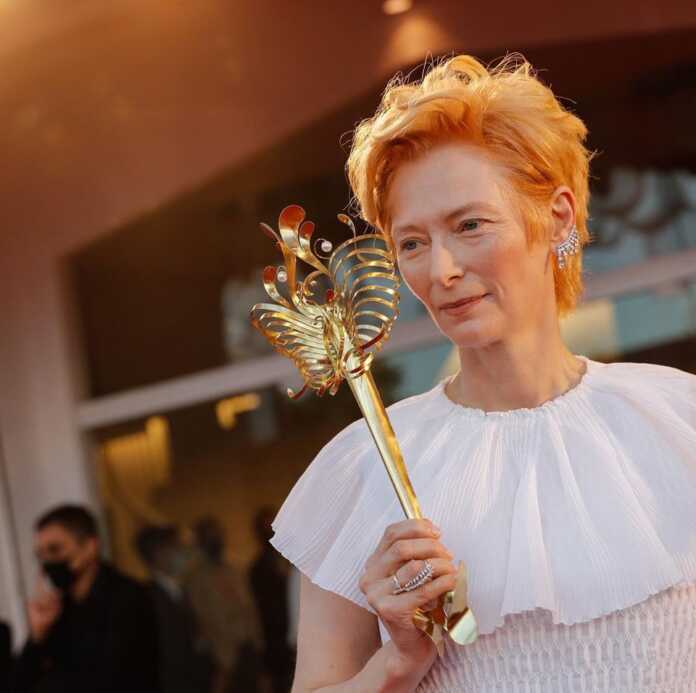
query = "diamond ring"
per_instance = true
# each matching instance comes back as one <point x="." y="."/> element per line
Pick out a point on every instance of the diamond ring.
<point x="424" y="575"/>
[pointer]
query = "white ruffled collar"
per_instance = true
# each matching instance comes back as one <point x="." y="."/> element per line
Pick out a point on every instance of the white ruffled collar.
<point x="575" y="391"/>
<point x="582" y="506"/>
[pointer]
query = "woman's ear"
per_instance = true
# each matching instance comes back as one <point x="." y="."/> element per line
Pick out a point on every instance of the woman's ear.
<point x="562" y="214"/>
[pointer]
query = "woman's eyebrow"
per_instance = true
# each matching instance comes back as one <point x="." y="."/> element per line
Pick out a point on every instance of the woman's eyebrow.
<point x="404" y="228"/>
<point x="448" y="216"/>
<point x="469" y="208"/>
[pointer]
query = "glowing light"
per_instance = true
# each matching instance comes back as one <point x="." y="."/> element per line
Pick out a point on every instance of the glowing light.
<point x="412" y="39"/>
<point x="396" y="6"/>
<point x="226" y="410"/>
<point x="136" y="464"/>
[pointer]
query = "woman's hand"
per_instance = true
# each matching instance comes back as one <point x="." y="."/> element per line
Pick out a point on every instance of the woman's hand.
<point x="403" y="550"/>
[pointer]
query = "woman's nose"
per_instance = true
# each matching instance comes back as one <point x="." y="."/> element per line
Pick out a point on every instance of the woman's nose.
<point x="444" y="266"/>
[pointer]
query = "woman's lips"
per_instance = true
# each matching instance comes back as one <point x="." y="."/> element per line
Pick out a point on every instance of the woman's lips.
<point x="462" y="306"/>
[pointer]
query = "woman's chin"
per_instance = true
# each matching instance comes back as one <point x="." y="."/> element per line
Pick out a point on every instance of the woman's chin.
<point x="470" y="334"/>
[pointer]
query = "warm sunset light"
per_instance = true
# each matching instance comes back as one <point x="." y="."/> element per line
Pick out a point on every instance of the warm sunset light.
<point x="396" y="6"/>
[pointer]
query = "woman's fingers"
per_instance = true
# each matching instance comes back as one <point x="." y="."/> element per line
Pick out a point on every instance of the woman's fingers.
<point x="387" y="585"/>
<point x="431" y="591"/>
<point x="405" y="550"/>
<point x="429" y="606"/>
<point x="399" y="609"/>
<point x="402" y="542"/>
<point x="407" y="529"/>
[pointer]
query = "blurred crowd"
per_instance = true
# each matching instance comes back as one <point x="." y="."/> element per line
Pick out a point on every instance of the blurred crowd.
<point x="200" y="624"/>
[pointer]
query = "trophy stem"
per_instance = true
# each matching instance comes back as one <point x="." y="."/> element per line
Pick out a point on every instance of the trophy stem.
<point x="452" y="614"/>
<point x="368" y="398"/>
<point x="336" y="341"/>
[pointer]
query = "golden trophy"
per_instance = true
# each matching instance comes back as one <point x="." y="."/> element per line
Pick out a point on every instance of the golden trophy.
<point x="330" y="324"/>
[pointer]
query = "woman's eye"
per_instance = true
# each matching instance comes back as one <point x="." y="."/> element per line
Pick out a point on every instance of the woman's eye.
<point x="469" y="225"/>
<point x="409" y="245"/>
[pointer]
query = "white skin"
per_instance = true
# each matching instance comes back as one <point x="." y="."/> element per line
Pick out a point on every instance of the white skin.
<point x="457" y="235"/>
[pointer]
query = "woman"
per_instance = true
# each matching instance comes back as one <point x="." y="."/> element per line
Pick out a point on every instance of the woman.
<point x="567" y="487"/>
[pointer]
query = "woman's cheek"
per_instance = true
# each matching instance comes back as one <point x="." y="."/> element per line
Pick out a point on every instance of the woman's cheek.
<point x="503" y="260"/>
<point x="417" y="285"/>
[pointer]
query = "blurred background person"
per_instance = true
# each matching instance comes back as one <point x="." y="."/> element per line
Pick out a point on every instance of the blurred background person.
<point x="269" y="583"/>
<point x="5" y="655"/>
<point x="223" y="605"/>
<point x="92" y="629"/>
<point x="185" y="666"/>
<point x="294" y="582"/>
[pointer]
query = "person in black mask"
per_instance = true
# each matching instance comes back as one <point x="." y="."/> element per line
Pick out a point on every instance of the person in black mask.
<point x="92" y="629"/>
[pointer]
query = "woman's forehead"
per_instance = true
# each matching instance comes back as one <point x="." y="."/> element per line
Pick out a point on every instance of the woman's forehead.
<point x="440" y="182"/>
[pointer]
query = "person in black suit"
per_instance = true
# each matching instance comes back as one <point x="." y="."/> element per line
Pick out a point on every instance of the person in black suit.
<point x="5" y="655"/>
<point x="92" y="629"/>
<point x="185" y="665"/>
<point x="268" y="578"/>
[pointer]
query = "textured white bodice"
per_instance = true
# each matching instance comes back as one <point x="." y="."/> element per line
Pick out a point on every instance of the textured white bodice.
<point x="647" y="648"/>
<point x="576" y="521"/>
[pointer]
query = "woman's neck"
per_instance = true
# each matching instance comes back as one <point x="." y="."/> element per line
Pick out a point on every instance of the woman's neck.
<point x="518" y="374"/>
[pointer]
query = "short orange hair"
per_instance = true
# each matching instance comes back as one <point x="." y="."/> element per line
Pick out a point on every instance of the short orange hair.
<point x="503" y="109"/>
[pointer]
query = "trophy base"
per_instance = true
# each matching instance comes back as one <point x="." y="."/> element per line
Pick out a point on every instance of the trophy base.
<point x="452" y="617"/>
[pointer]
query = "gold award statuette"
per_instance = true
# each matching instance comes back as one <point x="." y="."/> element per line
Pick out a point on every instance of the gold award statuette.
<point x="330" y="324"/>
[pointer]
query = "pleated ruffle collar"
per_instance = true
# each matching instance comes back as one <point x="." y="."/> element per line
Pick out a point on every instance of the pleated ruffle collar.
<point x="559" y="401"/>
<point x="582" y="506"/>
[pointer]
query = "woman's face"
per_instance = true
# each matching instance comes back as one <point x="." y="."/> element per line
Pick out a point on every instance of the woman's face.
<point x="463" y="251"/>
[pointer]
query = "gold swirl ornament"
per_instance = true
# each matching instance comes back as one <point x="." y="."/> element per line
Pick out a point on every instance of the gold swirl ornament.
<point x="330" y="324"/>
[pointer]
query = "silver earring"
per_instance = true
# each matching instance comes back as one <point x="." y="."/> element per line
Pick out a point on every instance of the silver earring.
<point x="570" y="246"/>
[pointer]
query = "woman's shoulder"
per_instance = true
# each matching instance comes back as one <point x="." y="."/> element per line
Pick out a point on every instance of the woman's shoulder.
<point x="648" y="382"/>
<point x="648" y="372"/>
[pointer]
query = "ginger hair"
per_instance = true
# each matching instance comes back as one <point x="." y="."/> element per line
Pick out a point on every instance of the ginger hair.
<point x="507" y="112"/>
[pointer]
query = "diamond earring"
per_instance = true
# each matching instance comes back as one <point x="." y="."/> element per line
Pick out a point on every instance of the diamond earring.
<point x="570" y="246"/>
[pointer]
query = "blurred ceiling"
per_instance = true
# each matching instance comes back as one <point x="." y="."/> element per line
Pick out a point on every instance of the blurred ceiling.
<point x="112" y="106"/>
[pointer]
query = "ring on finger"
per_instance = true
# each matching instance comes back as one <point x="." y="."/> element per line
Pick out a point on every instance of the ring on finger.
<point x="425" y="574"/>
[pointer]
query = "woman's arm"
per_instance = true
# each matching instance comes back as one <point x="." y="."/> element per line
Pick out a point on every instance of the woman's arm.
<point x="339" y="644"/>
<point x="339" y="649"/>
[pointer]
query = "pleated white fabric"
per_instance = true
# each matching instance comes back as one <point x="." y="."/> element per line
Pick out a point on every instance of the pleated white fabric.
<point x="647" y="648"/>
<point x="573" y="510"/>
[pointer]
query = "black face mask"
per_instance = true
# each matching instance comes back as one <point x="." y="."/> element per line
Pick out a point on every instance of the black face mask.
<point x="60" y="574"/>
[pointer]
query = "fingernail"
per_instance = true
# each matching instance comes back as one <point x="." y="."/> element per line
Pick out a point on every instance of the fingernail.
<point x="435" y="532"/>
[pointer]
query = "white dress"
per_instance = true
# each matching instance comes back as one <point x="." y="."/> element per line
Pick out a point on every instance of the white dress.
<point x="576" y="520"/>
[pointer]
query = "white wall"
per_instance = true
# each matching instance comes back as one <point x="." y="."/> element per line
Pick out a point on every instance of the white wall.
<point x="11" y="584"/>
<point x="44" y="457"/>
